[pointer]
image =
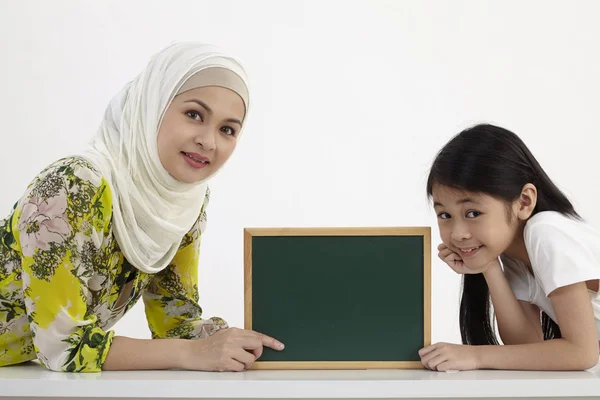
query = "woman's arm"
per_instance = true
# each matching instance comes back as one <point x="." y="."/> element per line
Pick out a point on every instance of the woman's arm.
<point x="140" y="354"/>
<point x="173" y="314"/>
<point x="171" y="299"/>
<point x="227" y="350"/>
<point x="57" y="227"/>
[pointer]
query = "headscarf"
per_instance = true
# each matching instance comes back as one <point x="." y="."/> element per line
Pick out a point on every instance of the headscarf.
<point x="152" y="211"/>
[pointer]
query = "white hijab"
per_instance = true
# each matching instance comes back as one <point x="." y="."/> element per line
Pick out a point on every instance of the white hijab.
<point x="151" y="210"/>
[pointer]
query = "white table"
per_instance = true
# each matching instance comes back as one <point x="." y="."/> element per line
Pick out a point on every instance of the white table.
<point x="31" y="381"/>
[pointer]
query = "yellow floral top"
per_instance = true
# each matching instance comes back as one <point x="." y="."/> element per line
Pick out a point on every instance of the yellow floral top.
<point x="64" y="281"/>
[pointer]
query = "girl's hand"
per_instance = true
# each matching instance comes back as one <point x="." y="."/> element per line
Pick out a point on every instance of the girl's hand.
<point x="456" y="262"/>
<point x="446" y="356"/>
<point x="453" y="260"/>
<point x="229" y="349"/>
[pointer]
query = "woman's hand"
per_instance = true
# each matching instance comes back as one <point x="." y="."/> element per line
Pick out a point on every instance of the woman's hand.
<point x="230" y="349"/>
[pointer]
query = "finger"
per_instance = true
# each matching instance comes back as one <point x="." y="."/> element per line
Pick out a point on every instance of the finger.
<point x="428" y="357"/>
<point x="456" y="263"/>
<point x="247" y="339"/>
<point x="244" y="357"/>
<point x="441" y="247"/>
<point x="426" y="350"/>
<point x="257" y="346"/>
<point x="444" y="249"/>
<point x="444" y="253"/>
<point x="257" y="352"/>
<point x="234" y="365"/>
<point x="452" y="255"/>
<point x="434" y="362"/>
<point x="459" y="266"/>
<point x="445" y="366"/>
<point x="271" y="342"/>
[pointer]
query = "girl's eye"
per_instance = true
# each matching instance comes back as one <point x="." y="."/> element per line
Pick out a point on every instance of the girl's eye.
<point x="194" y="115"/>
<point x="443" y="215"/>
<point x="473" y="214"/>
<point x="228" y="130"/>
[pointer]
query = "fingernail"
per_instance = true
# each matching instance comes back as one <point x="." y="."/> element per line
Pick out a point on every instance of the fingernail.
<point x="280" y="345"/>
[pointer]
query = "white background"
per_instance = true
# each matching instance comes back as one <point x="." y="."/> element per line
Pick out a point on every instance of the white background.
<point x="350" y="102"/>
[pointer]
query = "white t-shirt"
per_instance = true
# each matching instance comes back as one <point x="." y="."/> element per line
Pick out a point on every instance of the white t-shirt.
<point x="562" y="251"/>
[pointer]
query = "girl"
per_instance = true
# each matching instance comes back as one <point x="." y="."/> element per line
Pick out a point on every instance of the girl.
<point x="96" y="232"/>
<point x="516" y="239"/>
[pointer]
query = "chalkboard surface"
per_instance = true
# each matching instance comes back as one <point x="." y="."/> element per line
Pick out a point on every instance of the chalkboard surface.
<point x="339" y="298"/>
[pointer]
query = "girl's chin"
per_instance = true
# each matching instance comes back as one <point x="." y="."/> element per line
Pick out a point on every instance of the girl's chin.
<point x="476" y="268"/>
<point x="479" y="267"/>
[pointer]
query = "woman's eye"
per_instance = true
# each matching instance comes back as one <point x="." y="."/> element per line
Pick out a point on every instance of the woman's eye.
<point x="473" y="214"/>
<point x="444" y="215"/>
<point x="194" y="115"/>
<point x="228" y="130"/>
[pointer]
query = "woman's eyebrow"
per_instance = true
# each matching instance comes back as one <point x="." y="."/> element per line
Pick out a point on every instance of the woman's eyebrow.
<point x="200" y="103"/>
<point x="235" y="121"/>
<point x="210" y="111"/>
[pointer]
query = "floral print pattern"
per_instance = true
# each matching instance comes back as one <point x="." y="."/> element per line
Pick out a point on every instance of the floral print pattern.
<point x="64" y="281"/>
<point x="44" y="225"/>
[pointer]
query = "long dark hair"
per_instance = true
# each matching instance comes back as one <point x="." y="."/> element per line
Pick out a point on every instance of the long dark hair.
<point x="491" y="160"/>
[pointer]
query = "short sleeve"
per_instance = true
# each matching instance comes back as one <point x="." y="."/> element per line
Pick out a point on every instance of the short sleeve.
<point x="561" y="253"/>
<point x="518" y="278"/>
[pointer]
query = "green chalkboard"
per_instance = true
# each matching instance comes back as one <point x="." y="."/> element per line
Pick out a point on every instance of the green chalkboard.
<point x="339" y="298"/>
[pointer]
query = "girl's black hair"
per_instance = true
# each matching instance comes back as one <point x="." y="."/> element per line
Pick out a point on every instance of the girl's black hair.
<point x="491" y="160"/>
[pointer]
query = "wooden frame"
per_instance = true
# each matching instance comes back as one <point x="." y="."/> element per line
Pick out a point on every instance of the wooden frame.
<point x="425" y="232"/>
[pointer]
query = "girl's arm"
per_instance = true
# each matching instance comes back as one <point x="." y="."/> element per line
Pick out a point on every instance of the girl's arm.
<point x="576" y="350"/>
<point x="518" y="321"/>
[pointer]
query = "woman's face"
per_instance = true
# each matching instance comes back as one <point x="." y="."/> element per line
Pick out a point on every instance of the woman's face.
<point x="199" y="132"/>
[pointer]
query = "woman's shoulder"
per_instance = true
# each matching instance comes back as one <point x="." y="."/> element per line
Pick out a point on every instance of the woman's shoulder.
<point x="70" y="186"/>
<point x="73" y="169"/>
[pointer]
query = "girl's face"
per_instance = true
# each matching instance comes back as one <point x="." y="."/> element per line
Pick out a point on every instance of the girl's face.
<point x="478" y="227"/>
<point x="199" y="132"/>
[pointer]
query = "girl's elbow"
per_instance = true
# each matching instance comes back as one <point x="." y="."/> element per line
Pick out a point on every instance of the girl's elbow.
<point x="587" y="356"/>
<point x="590" y="359"/>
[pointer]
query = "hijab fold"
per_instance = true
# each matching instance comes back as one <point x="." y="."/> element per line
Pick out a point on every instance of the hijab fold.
<point x="152" y="211"/>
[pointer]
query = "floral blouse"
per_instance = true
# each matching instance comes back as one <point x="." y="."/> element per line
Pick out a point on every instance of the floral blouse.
<point x="64" y="281"/>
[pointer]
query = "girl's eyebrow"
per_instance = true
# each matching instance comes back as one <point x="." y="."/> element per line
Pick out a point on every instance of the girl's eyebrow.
<point x="466" y="200"/>
<point x="461" y="201"/>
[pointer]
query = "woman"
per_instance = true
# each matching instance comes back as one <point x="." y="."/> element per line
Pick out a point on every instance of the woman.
<point x="96" y="232"/>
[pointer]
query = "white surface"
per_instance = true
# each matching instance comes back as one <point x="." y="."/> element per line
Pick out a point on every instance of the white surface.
<point x="350" y="102"/>
<point x="33" y="381"/>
